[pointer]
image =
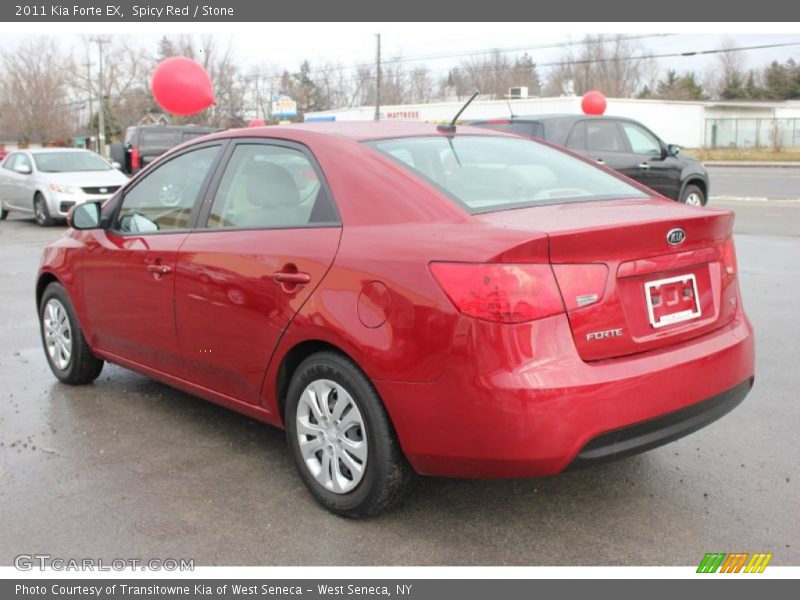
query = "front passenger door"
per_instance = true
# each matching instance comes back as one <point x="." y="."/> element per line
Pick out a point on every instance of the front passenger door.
<point x="605" y="144"/>
<point x="129" y="269"/>
<point x="656" y="169"/>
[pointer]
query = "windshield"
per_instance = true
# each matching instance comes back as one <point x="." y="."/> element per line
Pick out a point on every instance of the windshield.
<point x="485" y="173"/>
<point x="68" y="162"/>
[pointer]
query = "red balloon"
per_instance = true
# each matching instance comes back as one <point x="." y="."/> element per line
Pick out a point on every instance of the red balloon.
<point x="593" y="103"/>
<point x="257" y="123"/>
<point x="181" y="86"/>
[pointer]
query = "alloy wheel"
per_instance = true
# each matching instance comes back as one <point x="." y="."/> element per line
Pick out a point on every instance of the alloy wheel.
<point x="332" y="436"/>
<point x="57" y="333"/>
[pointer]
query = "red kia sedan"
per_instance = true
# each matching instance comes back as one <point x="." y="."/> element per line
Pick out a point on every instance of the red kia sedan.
<point x="404" y="299"/>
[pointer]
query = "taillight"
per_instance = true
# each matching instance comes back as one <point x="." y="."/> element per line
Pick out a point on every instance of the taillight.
<point x="501" y="293"/>
<point x="729" y="257"/>
<point x="135" y="158"/>
<point x="581" y="285"/>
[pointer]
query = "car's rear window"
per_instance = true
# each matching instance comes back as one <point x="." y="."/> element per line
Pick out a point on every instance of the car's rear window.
<point x="158" y="140"/>
<point x="526" y="128"/>
<point x="488" y="173"/>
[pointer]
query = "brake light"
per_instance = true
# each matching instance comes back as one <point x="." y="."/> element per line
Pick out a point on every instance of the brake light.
<point x="729" y="257"/>
<point x="135" y="158"/>
<point x="581" y="285"/>
<point x="501" y="293"/>
<point x="498" y="122"/>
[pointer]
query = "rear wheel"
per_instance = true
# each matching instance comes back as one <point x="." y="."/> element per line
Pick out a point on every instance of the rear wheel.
<point x="66" y="350"/>
<point x="41" y="212"/>
<point x="341" y="439"/>
<point x="693" y="195"/>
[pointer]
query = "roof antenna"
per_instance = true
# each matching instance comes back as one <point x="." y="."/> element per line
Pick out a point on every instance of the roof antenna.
<point x="451" y="128"/>
<point x="511" y="110"/>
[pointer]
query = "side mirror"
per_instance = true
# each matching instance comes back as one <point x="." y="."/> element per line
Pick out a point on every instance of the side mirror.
<point x="116" y="165"/>
<point x="673" y="149"/>
<point x="84" y="216"/>
<point x="22" y="169"/>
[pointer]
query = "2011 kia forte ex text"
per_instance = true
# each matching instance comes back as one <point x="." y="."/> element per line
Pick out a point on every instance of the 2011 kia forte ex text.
<point x="405" y="298"/>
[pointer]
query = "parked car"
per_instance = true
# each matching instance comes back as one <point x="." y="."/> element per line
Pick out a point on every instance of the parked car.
<point x="407" y="299"/>
<point x="144" y="143"/>
<point x="47" y="182"/>
<point x="622" y="144"/>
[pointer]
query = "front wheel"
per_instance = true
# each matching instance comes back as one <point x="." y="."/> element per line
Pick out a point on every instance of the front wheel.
<point x="341" y="440"/>
<point x="693" y="196"/>
<point x="41" y="212"/>
<point x="66" y="350"/>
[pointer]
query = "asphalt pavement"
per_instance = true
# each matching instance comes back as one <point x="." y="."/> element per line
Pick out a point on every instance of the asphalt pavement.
<point x="129" y="468"/>
<point x="755" y="183"/>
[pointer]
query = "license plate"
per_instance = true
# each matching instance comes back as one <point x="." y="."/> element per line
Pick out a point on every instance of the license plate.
<point x="672" y="300"/>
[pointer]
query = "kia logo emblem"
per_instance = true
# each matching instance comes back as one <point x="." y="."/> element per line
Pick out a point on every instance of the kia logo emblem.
<point x="676" y="236"/>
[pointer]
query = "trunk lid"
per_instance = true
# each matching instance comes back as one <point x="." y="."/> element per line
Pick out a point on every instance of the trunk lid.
<point x="651" y="293"/>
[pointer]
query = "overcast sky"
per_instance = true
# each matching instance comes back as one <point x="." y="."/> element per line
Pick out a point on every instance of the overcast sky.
<point x="286" y="44"/>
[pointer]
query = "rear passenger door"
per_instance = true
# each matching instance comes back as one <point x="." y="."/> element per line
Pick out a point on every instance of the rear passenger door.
<point x="606" y="145"/>
<point x="266" y="237"/>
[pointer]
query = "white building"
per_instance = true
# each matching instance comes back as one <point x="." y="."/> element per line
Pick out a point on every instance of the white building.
<point x="688" y="124"/>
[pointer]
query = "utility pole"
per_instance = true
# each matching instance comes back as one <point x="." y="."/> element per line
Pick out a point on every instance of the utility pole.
<point x="378" y="80"/>
<point x="101" y="118"/>
<point x="88" y="66"/>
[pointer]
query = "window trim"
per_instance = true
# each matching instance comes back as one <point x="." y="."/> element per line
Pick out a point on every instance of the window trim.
<point x="196" y="206"/>
<point x="204" y="214"/>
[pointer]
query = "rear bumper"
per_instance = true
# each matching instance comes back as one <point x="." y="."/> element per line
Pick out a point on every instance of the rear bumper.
<point x="647" y="435"/>
<point x="519" y="401"/>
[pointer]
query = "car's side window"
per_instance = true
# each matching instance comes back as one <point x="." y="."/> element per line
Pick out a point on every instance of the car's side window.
<point x="270" y="186"/>
<point x="10" y="162"/>
<point x="23" y="161"/>
<point x="577" y="137"/>
<point x="641" y="140"/>
<point x="604" y="136"/>
<point x="163" y="199"/>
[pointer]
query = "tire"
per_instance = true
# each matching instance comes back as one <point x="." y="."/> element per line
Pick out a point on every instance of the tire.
<point x="693" y="195"/>
<point x="386" y="473"/>
<point x="40" y="211"/>
<point x="57" y="316"/>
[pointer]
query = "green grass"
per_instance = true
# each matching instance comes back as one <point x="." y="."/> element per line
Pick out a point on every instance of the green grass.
<point x="744" y="154"/>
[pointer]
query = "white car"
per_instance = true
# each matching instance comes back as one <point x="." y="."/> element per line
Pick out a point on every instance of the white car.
<point x="48" y="182"/>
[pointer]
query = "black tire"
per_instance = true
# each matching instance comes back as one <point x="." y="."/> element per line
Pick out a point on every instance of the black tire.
<point x="387" y="473"/>
<point x="40" y="211"/>
<point x="83" y="366"/>
<point x="693" y="195"/>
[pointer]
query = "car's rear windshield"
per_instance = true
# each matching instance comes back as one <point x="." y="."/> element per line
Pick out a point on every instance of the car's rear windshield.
<point x="488" y="173"/>
<point x="158" y="140"/>
<point x="69" y="162"/>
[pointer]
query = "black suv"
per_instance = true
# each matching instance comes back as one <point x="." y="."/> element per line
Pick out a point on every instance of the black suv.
<point x="144" y="143"/>
<point x="624" y="145"/>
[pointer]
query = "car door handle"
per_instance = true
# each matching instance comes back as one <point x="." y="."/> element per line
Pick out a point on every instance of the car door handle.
<point x="289" y="277"/>
<point x="644" y="166"/>
<point x="159" y="269"/>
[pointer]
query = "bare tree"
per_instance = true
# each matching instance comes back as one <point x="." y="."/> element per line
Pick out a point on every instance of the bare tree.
<point x="614" y="65"/>
<point x="35" y="99"/>
<point x="219" y="61"/>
